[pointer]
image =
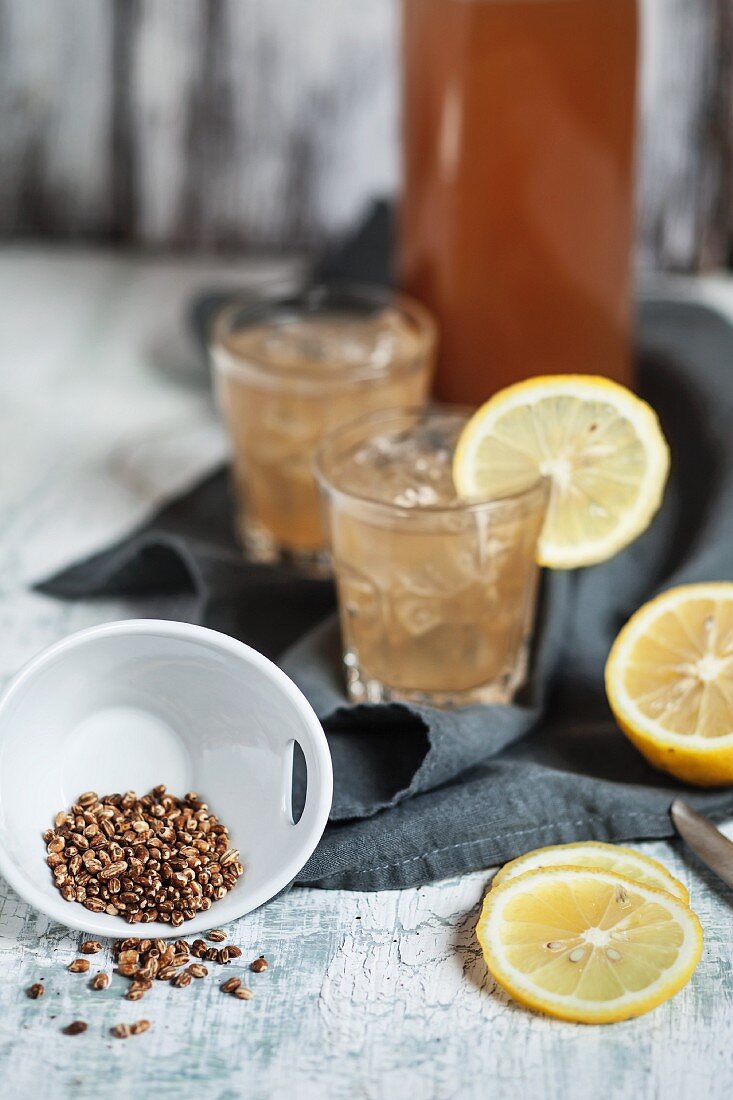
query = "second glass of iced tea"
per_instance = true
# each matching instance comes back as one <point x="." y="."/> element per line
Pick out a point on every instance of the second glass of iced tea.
<point x="436" y="593"/>
<point x="291" y="369"/>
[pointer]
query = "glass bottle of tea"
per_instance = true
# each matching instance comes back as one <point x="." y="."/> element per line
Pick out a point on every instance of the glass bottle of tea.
<point x="516" y="220"/>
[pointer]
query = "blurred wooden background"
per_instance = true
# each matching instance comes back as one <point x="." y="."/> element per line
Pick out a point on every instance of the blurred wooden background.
<point x="216" y="124"/>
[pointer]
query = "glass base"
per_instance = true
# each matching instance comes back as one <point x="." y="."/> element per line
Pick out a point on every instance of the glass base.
<point x="365" y="689"/>
<point x="261" y="546"/>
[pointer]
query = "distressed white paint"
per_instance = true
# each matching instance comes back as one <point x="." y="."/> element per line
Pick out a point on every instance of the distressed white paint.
<point x="275" y="121"/>
<point x="56" y="95"/>
<point x="370" y="995"/>
<point x="163" y="66"/>
<point x="684" y="174"/>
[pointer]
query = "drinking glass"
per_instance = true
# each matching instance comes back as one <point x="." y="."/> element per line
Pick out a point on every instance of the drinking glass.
<point x="436" y="594"/>
<point x="290" y="369"/>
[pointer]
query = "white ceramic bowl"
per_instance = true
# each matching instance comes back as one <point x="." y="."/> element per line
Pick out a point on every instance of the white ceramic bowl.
<point x="128" y="705"/>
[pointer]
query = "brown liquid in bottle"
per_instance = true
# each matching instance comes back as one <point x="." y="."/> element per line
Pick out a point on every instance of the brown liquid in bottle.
<point x="517" y="216"/>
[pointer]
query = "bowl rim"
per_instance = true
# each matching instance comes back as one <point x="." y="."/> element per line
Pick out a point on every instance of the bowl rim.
<point x="320" y="781"/>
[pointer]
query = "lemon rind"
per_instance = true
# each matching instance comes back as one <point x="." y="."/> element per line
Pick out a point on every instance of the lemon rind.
<point x="676" y="888"/>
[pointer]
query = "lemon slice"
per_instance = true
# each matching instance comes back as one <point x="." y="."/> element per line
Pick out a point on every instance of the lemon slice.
<point x="600" y="446"/>
<point x="669" y="680"/>
<point x="594" y="853"/>
<point x="587" y="945"/>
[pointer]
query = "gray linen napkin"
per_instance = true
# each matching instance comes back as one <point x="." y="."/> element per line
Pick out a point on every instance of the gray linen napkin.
<point x="420" y="793"/>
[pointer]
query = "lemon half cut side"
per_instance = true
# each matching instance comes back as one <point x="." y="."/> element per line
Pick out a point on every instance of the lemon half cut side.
<point x="589" y="946"/>
<point x="669" y="681"/>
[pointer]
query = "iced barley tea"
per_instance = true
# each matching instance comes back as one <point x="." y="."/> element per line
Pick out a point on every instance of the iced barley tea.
<point x="436" y="595"/>
<point x="290" y="371"/>
<point x="518" y="203"/>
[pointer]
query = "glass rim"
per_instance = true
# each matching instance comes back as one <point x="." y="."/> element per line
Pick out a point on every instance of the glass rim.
<point x="537" y="486"/>
<point x="308" y="299"/>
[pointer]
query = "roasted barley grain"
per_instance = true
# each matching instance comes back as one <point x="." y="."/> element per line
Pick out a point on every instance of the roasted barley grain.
<point x="76" y="1027"/>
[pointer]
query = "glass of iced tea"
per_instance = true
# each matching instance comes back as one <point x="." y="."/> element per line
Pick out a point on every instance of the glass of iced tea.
<point x="289" y="370"/>
<point x="436" y="593"/>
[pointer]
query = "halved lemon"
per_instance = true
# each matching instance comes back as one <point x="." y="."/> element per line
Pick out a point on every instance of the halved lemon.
<point x="669" y="680"/>
<point x="601" y="447"/>
<point x="594" y="853"/>
<point x="587" y="945"/>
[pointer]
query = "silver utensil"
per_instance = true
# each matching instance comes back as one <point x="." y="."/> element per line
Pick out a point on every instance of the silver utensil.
<point x="705" y="839"/>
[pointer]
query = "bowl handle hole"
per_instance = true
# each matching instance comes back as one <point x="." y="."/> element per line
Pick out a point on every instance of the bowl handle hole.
<point x="295" y="781"/>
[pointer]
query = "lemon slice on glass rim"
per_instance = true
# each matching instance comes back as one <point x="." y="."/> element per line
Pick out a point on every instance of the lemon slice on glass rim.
<point x="600" y="446"/>
<point x="587" y="945"/>
<point x="669" y="681"/>
<point x="597" y="854"/>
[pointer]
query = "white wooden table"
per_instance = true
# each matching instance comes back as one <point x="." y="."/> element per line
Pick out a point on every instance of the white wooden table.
<point x="369" y="995"/>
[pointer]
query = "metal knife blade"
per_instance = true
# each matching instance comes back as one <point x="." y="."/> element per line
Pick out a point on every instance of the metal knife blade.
<point x="705" y="839"/>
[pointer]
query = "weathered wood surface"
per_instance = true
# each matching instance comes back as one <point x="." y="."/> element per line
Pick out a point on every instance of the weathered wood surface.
<point x="686" y="137"/>
<point x="372" y="996"/>
<point x="223" y="123"/>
